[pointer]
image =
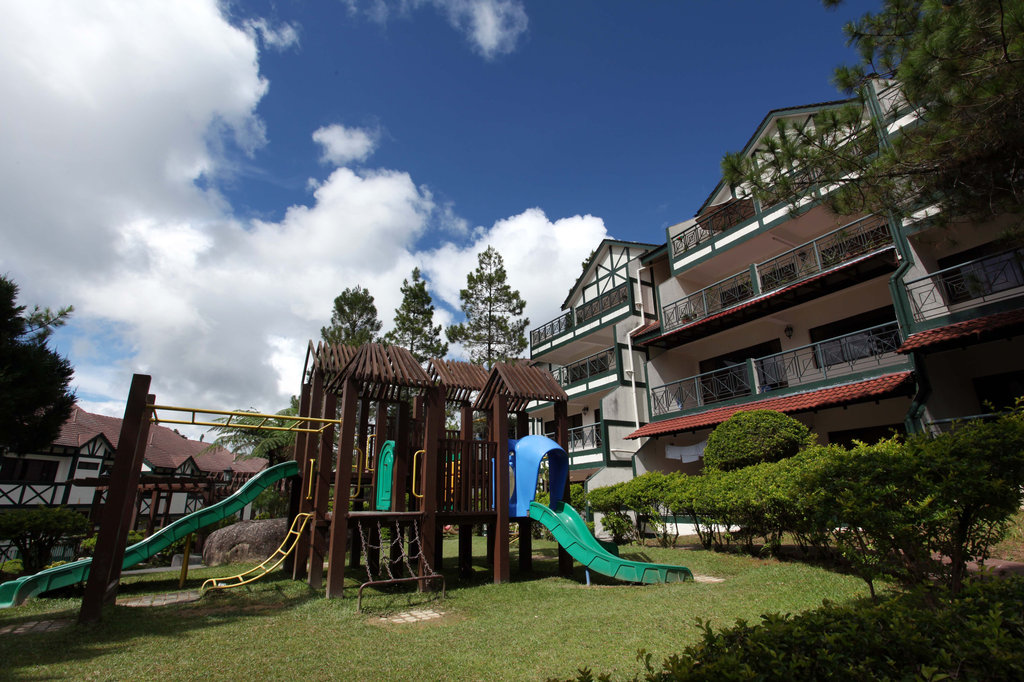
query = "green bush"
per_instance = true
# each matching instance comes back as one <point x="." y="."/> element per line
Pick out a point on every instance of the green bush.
<point x="753" y="437"/>
<point x="648" y="496"/>
<point x="978" y="636"/>
<point x="270" y="504"/>
<point x="35" y="532"/>
<point x="12" y="567"/>
<point x="608" y="500"/>
<point x="87" y="547"/>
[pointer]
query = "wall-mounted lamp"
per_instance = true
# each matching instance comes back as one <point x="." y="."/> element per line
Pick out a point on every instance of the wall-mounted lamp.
<point x="788" y="331"/>
<point x="586" y="409"/>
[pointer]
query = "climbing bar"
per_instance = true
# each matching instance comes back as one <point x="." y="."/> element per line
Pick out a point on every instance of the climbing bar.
<point x="286" y="548"/>
<point x="235" y="419"/>
<point x="418" y="495"/>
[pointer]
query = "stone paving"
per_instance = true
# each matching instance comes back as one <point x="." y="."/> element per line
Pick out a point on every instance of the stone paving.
<point x="34" y="626"/>
<point x="414" y="616"/>
<point x="161" y="599"/>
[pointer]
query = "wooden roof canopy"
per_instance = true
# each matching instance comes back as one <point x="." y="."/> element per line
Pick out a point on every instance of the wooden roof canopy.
<point x="381" y="372"/>
<point x="521" y="384"/>
<point x="460" y="379"/>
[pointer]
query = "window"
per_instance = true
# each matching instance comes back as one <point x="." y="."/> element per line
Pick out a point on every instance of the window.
<point x="28" y="470"/>
<point x="841" y="344"/>
<point x="867" y="434"/>
<point x="985" y="270"/>
<point x="999" y="391"/>
<point x="733" y="382"/>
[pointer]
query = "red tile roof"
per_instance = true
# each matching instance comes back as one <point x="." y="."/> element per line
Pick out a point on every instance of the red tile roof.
<point x="647" y="328"/>
<point x="165" y="448"/>
<point x="832" y="396"/>
<point x="764" y="297"/>
<point x="962" y="331"/>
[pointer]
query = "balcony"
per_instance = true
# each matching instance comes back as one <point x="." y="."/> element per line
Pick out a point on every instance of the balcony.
<point x="710" y="224"/>
<point x="585" y="438"/>
<point x="967" y="286"/>
<point x="860" y="351"/>
<point x="580" y="315"/>
<point x="818" y="255"/>
<point x="31" y="494"/>
<point x="588" y="368"/>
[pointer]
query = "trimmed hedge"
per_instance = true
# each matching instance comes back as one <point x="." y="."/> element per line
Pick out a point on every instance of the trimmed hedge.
<point x="752" y="437"/>
<point x="976" y="636"/>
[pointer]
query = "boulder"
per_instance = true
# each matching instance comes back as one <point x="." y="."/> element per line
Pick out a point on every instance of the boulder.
<point x="244" y="542"/>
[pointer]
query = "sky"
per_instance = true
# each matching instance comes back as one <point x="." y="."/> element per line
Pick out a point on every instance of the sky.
<point x="200" y="179"/>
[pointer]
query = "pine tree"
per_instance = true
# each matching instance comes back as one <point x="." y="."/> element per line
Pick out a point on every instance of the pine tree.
<point x="960" y="65"/>
<point x="490" y="333"/>
<point x="354" y="320"/>
<point x="35" y="394"/>
<point x="414" y="322"/>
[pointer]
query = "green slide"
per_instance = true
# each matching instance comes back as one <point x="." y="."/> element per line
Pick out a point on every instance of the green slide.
<point x="15" y="592"/>
<point x="572" y="533"/>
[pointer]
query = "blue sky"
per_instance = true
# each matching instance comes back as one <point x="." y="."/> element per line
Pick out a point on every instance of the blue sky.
<point x="200" y="179"/>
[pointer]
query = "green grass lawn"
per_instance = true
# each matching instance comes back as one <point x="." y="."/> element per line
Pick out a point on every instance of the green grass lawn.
<point x="530" y="628"/>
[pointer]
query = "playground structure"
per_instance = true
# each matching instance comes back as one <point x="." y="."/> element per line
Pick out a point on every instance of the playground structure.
<point x="409" y="476"/>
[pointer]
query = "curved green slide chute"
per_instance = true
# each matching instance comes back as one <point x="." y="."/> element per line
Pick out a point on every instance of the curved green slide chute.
<point x="571" y="532"/>
<point x="15" y="592"/>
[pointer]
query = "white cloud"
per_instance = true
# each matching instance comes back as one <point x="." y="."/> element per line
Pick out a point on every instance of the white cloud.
<point x="279" y="37"/>
<point x="341" y="145"/>
<point x="542" y="259"/>
<point x="492" y="27"/>
<point x="112" y="115"/>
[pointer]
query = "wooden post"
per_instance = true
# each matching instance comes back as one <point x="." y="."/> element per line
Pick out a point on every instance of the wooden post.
<point x="105" y="571"/>
<point x="295" y="563"/>
<point x="525" y="522"/>
<point x="465" y="550"/>
<point x="562" y="438"/>
<point x="430" y="474"/>
<point x="373" y="536"/>
<point x="361" y="441"/>
<point x="499" y="431"/>
<point x="154" y="501"/>
<point x="327" y="404"/>
<point x="342" y="488"/>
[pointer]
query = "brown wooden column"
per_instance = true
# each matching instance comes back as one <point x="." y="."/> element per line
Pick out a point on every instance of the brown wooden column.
<point x="525" y="523"/>
<point x="431" y="473"/>
<point x="499" y="434"/>
<point x="105" y="571"/>
<point x="562" y="438"/>
<point x="342" y="488"/>
<point x="325" y="405"/>
<point x="361" y="441"/>
<point x="295" y="563"/>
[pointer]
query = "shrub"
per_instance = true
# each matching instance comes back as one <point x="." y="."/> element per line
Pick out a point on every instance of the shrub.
<point x="12" y="567"/>
<point x="88" y="546"/>
<point x="979" y="636"/>
<point x="35" y="532"/>
<point x="648" y="497"/>
<point x="270" y="504"/>
<point x="608" y="501"/>
<point x="752" y="437"/>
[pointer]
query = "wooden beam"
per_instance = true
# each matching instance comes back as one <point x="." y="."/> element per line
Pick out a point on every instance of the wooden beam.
<point x="324" y="404"/>
<point x="562" y="438"/>
<point x="431" y="474"/>
<point x="105" y="571"/>
<point x="342" y="489"/>
<point x="295" y="563"/>
<point x="499" y="431"/>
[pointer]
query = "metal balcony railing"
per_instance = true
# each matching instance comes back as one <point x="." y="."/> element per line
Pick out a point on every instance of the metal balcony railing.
<point x="580" y="315"/>
<point x="582" y="370"/>
<point x="585" y="437"/>
<point x="602" y="304"/>
<point x="831" y="249"/>
<point x="709" y="300"/>
<point x="702" y="389"/>
<point x="710" y="224"/>
<point x="559" y="325"/>
<point x="841" y="355"/>
<point x="967" y="285"/>
<point x="838" y="356"/>
<point x="838" y="246"/>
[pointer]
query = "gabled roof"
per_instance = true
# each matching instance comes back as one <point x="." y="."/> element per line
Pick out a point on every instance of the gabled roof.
<point x="593" y="263"/>
<point x="165" y="448"/>
<point x="763" y="126"/>
<point x="833" y="396"/>
<point x="969" y="331"/>
<point x="460" y="379"/>
<point x="381" y="371"/>
<point x="521" y="384"/>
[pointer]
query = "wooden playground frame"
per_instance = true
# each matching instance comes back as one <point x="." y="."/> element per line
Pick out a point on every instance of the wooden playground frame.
<point x="458" y="480"/>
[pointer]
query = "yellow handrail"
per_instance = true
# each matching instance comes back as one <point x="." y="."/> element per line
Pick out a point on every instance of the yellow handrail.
<point x="231" y="414"/>
<point x="312" y="463"/>
<point x="358" y="466"/>
<point x="414" y="470"/>
<point x="277" y="557"/>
